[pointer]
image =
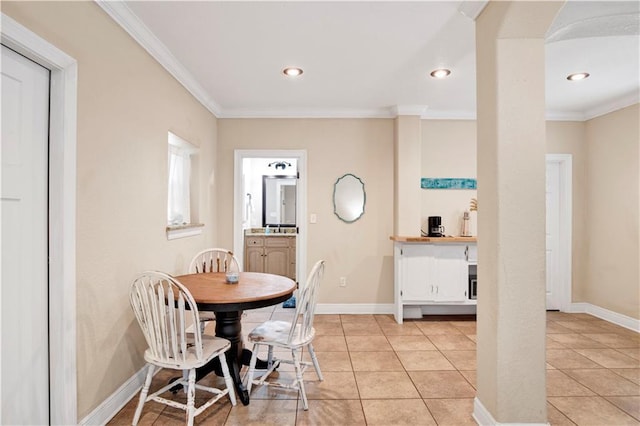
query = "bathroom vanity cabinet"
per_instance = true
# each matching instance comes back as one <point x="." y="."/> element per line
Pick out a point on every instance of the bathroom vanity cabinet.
<point x="433" y="271"/>
<point x="273" y="254"/>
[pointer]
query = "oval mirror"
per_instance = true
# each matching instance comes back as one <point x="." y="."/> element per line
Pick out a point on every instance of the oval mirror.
<point x="348" y="198"/>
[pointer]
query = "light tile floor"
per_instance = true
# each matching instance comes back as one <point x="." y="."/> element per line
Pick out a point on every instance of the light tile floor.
<point x="377" y="372"/>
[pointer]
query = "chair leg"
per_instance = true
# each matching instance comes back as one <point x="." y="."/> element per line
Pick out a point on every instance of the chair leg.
<point x="252" y="368"/>
<point x="227" y="378"/>
<point x="270" y="357"/>
<point x="143" y="394"/>
<point x="314" y="359"/>
<point x="191" y="396"/>
<point x="295" y="354"/>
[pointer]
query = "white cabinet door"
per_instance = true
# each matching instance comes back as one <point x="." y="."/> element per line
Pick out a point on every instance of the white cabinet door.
<point x="416" y="269"/>
<point x="449" y="272"/>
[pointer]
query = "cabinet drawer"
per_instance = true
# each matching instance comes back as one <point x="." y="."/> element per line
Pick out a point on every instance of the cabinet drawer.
<point x="276" y="241"/>
<point x="254" y="241"/>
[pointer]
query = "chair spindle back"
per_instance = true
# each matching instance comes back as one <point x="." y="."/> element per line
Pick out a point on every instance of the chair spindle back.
<point x="306" y="303"/>
<point x="164" y="309"/>
<point x="214" y="260"/>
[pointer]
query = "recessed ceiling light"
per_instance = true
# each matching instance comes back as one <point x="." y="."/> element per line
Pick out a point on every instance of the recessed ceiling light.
<point x="577" y="76"/>
<point x="292" y="71"/>
<point x="440" y="73"/>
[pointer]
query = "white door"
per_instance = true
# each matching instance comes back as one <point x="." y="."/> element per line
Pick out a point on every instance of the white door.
<point x="553" y="234"/>
<point x="24" y="371"/>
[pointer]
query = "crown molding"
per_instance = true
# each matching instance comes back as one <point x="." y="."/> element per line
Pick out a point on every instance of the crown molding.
<point x="623" y="101"/>
<point x="449" y="115"/>
<point x="472" y="8"/>
<point x="397" y="110"/>
<point x="392" y="112"/>
<point x="564" y="116"/>
<point x="306" y="113"/>
<point x="616" y="104"/>
<point x="123" y="16"/>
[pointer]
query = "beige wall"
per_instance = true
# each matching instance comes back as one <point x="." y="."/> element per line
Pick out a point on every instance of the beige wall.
<point x="448" y="151"/>
<point x="360" y="251"/>
<point x="613" y="278"/>
<point x="126" y="105"/>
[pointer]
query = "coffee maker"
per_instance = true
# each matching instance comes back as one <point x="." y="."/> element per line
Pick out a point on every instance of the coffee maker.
<point x="435" y="226"/>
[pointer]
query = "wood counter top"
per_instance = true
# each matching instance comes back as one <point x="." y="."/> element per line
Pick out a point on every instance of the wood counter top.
<point x="433" y="239"/>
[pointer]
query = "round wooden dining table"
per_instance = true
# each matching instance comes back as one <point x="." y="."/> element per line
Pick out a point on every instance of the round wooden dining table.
<point x="253" y="290"/>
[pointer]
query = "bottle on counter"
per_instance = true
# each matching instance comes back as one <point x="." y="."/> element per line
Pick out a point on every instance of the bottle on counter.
<point x="466" y="224"/>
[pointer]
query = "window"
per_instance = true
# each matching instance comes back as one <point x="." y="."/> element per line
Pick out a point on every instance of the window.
<point x="182" y="202"/>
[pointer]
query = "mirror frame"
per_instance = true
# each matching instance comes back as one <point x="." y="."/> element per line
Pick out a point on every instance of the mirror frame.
<point x="264" y="200"/>
<point x="364" y="197"/>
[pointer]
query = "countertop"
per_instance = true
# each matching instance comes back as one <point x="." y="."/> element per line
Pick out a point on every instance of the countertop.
<point x="273" y="232"/>
<point x="447" y="239"/>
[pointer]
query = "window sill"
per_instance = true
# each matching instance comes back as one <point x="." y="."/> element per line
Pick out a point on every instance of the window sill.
<point x="183" y="231"/>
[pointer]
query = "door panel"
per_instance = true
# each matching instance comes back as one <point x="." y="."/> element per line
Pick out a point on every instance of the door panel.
<point x="24" y="295"/>
<point x="277" y="261"/>
<point x="450" y="268"/>
<point x="417" y="267"/>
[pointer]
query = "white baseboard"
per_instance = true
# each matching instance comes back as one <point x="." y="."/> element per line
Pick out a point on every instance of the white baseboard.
<point x="448" y="309"/>
<point x="607" y="315"/>
<point x="114" y="403"/>
<point x="355" y="308"/>
<point x="483" y="417"/>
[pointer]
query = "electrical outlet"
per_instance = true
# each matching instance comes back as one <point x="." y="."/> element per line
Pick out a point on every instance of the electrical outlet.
<point x="343" y="281"/>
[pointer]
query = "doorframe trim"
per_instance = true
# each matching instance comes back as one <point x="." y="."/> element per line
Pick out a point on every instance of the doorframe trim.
<point x="301" y="203"/>
<point x="63" y="401"/>
<point x="565" y="232"/>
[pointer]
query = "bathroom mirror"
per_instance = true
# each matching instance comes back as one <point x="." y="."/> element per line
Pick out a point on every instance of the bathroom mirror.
<point x="348" y="198"/>
<point x="278" y="201"/>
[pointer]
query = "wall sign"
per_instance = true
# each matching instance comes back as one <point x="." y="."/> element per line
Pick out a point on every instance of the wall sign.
<point x="448" y="183"/>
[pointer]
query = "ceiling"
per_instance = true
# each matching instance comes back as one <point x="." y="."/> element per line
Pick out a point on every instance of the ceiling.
<point x="373" y="58"/>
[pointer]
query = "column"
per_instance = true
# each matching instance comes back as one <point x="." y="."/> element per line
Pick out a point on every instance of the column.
<point x="407" y="168"/>
<point x="511" y="211"/>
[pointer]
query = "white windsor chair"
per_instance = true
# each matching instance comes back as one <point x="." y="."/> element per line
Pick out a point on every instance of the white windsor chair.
<point x="294" y="335"/>
<point x="164" y="309"/>
<point x="212" y="260"/>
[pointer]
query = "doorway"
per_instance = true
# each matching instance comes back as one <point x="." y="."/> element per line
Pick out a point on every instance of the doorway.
<point x="558" y="231"/>
<point x="241" y="208"/>
<point x="61" y="236"/>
